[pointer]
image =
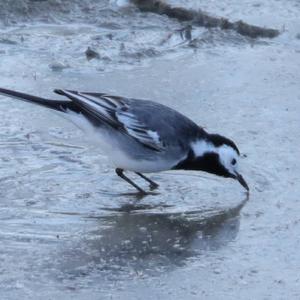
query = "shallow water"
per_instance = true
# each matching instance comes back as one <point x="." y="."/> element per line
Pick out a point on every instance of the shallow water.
<point x="70" y="227"/>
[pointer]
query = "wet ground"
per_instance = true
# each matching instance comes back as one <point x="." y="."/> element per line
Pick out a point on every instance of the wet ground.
<point x="71" y="229"/>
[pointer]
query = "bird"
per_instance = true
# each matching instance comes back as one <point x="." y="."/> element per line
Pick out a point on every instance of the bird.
<point x="144" y="136"/>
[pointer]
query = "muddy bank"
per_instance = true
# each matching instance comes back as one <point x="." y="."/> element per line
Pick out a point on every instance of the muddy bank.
<point x="202" y="19"/>
<point x="12" y="12"/>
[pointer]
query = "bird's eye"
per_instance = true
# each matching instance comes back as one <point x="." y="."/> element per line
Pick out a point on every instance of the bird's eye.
<point x="233" y="162"/>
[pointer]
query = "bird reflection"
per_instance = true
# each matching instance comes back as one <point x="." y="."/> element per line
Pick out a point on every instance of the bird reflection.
<point x="150" y="243"/>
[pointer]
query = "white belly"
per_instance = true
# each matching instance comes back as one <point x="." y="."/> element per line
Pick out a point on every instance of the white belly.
<point x="123" y="161"/>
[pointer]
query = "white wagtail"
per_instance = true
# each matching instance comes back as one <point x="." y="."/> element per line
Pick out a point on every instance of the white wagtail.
<point x="144" y="136"/>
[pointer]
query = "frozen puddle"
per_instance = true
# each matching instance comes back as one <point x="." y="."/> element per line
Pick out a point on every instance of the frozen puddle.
<point x="74" y="250"/>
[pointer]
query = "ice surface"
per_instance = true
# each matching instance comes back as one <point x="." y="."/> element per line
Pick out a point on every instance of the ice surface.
<point x="68" y="227"/>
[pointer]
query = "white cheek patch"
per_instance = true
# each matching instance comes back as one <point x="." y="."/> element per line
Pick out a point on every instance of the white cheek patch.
<point x="226" y="154"/>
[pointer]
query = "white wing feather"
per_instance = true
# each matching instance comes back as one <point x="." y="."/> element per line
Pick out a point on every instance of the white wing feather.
<point x="114" y="111"/>
<point x="139" y="131"/>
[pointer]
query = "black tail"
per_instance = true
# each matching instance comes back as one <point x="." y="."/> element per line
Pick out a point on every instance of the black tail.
<point x="59" y="105"/>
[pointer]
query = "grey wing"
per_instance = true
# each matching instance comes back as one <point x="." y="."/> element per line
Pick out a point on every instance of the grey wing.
<point x="173" y="128"/>
<point x="117" y="113"/>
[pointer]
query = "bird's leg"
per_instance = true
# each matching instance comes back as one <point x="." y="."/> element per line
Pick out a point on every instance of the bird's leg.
<point x="153" y="185"/>
<point x="120" y="173"/>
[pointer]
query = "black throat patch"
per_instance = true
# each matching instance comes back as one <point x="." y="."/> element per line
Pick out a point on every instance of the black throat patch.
<point x="208" y="162"/>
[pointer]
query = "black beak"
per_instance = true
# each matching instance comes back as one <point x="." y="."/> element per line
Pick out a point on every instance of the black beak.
<point x="242" y="181"/>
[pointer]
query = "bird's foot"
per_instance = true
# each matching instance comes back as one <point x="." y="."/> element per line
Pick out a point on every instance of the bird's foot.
<point x="153" y="186"/>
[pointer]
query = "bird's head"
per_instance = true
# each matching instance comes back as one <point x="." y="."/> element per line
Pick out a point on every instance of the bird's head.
<point x="218" y="155"/>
